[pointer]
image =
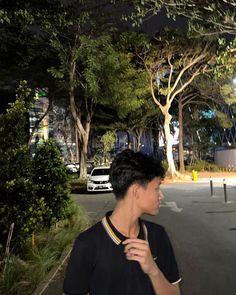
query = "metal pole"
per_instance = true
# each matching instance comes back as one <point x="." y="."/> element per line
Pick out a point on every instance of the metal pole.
<point x="211" y="186"/>
<point x="225" y="191"/>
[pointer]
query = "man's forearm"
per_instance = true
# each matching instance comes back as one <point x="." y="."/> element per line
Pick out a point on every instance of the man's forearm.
<point x="161" y="285"/>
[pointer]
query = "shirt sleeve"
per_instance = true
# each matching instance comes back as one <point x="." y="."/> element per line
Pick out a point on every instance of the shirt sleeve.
<point x="79" y="268"/>
<point x="169" y="266"/>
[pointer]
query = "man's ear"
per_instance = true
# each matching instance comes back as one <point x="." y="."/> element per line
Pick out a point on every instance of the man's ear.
<point x="136" y="190"/>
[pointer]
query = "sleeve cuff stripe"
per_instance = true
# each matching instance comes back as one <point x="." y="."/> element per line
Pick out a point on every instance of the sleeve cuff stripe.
<point x="179" y="280"/>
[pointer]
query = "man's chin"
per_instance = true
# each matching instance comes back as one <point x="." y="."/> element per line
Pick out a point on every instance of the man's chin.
<point x="153" y="212"/>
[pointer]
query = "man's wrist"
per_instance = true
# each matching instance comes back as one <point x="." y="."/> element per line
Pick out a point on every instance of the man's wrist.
<point x="154" y="272"/>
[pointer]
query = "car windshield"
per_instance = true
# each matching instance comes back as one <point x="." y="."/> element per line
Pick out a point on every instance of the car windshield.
<point x="104" y="171"/>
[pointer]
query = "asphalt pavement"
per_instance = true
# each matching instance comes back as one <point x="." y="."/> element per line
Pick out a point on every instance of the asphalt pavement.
<point x="201" y="226"/>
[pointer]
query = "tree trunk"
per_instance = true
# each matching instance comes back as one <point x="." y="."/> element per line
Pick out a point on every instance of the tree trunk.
<point x="138" y="135"/>
<point x="70" y="157"/>
<point x="84" y="149"/>
<point x="169" y="152"/>
<point x="155" y="135"/>
<point x="83" y="132"/>
<point x="83" y="159"/>
<point x="194" y="154"/>
<point x="128" y="146"/>
<point x="181" y="148"/>
<point x="76" y="145"/>
<point x="71" y="154"/>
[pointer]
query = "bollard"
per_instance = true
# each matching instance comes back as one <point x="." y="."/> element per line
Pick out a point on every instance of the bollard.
<point x="194" y="175"/>
<point x="225" y="191"/>
<point x="211" y="186"/>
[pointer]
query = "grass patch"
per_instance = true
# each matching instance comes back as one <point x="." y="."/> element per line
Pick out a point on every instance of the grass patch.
<point x="24" y="272"/>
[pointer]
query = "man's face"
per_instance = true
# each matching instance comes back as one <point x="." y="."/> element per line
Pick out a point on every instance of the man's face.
<point x="150" y="197"/>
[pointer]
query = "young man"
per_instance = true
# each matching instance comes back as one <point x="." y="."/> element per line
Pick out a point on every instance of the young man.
<point x="123" y="254"/>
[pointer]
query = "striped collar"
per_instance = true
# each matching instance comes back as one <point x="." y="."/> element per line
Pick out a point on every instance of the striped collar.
<point x="116" y="236"/>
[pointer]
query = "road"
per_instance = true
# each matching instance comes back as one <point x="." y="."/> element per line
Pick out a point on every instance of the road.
<point x="202" y="229"/>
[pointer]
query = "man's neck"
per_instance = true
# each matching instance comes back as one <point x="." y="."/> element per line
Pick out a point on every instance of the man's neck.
<point x="125" y="219"/>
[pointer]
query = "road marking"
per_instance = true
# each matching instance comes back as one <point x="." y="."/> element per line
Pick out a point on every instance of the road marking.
<point x="173" y="206"/>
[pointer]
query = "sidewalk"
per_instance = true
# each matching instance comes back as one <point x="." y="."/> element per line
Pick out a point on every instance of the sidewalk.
<point x="205" y="176"/>
<point x="217" y="177"/>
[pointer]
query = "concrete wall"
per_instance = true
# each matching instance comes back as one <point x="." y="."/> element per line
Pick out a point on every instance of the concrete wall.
<point x="226" y="158"/>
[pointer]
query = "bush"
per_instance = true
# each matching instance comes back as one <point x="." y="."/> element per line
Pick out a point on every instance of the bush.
<point x="17" y="191"/>
<point x="52" y="181"/>
<point x="203" y="166"/>
<point x="165" y="164"/>
<point x="33" y="194"/>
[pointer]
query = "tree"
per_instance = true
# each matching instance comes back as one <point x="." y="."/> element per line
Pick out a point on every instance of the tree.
<point x="140" y="121"/>
<point x="21" y="32"/>
<point x="201" y="132"/>
<point x="172" y="65"/>
<point x="193" y="96"/>
<point x="64" y="130"/>
<point x="206" y="19"/>
<point x="100" y="76"/>
<point x="65" y="38"/>
<point x="25" y="54"/>
<point x="209" y="95"/>
<point x="218" y="17"/>
<point x="83" y="56"/>
<point x="108" y="139"/>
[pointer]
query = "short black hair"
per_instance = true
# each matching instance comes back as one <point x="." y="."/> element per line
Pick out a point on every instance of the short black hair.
<point x="130" y="167"/>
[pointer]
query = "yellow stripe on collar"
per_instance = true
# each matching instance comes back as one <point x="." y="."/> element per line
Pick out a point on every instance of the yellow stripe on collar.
<point x="114" y="237"/>
<point x="110" y="232"/>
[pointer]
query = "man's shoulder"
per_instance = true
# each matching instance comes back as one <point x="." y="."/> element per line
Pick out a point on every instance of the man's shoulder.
<point x="92" y="233"/>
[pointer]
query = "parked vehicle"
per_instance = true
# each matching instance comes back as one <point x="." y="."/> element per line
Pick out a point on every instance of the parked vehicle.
<point x="77" y="165"/>
<point x="71" y="168"/>
<point x="99" y="179"/>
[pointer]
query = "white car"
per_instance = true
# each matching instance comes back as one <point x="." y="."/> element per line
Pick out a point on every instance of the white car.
<point x="99" y="179"/>
<point x="71" y="168"/>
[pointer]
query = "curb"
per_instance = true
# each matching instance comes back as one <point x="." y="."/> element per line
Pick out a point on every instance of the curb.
<point x="51" y="275"/>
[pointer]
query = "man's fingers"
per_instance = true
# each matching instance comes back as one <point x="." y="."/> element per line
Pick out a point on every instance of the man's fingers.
<point x="127" y="241"/>
<point x="129" y="247"/>
<point x="135" y="243"/>
<point x="135" y="252"/>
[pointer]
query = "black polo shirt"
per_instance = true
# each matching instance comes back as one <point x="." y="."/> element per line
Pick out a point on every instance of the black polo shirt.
<point x="98" y="265"/>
